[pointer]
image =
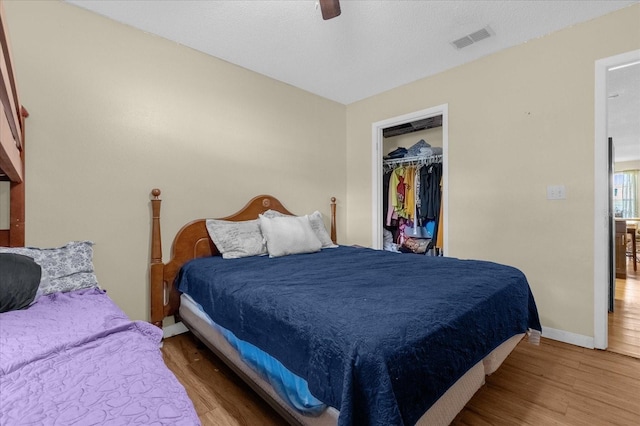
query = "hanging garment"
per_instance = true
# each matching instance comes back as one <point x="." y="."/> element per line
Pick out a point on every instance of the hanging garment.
<point x="401" y="192"/>
<point x="392" y="213"/>
<point x="417" y="214"/>
<point x="440" y="231"/>
<point x="430" y="196"/>
<point x="430" y="191"/>
<point x="397" y="192"/>
<point x="409" y="196"/>
<point x="385" y="194"/>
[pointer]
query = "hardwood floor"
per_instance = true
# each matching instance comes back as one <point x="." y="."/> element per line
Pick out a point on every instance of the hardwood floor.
<point x="558" y="384"/>
<point x="624" y="321"/>
<point x="551" y="384"/>
<point x="219" y="396"/>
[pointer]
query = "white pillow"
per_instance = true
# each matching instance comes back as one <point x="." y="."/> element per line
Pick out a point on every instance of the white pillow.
<point x="236" y="239"/>
<point x="289" y="235"/>
<point x="317" y="224"/>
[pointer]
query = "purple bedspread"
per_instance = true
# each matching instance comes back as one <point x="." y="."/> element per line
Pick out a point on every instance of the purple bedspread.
<point x="76" y="359"/>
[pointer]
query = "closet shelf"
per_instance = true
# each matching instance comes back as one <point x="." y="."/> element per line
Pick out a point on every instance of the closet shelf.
<point x="417" y="160"/>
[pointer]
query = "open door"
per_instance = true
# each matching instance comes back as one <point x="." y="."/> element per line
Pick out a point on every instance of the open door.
<point x="612" y="228"/>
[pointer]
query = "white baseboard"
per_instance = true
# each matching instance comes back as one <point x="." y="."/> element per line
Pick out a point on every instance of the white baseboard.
<point x="173" y="330"/>
<point x="568" y="337"/>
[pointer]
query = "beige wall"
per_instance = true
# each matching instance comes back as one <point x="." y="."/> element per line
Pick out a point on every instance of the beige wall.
<point x="115" y="112"/>
<point x="519" y="120"/>
<point x="627" y="165"/>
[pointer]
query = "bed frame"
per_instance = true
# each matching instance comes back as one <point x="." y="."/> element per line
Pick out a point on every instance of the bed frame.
<point x="192" y="241"/>
<point x="11" y="142"/>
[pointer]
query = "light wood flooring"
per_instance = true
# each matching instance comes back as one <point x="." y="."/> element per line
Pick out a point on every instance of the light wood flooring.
<point x="551" y="384"/>
<point x="219" y="396"/>
<point x="624" y="321"/>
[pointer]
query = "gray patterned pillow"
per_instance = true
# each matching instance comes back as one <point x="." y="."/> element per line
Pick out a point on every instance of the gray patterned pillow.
<point x="236" y="239"/>
<point x="65" y="268"/>
<point x="317" y="224"/>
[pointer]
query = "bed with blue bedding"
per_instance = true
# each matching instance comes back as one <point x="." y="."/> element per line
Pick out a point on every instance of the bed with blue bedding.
<point x="381" y="346"/>
<point x="377" y="336"/>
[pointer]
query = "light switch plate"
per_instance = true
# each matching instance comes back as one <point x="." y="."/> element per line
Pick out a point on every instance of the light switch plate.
<point x="556" y="192"/>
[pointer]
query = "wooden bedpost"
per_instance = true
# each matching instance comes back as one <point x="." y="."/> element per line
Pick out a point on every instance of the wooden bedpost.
<point x="156" y="272"/>
<point x="17" y="196"/>
<point x="334" y="238"/>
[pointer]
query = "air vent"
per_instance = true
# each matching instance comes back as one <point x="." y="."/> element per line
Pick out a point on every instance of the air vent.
<point x="474" y="37"/>
<point x="414" y="126"/>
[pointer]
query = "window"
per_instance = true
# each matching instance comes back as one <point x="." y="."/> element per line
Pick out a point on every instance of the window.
<point x="625" y="193"/>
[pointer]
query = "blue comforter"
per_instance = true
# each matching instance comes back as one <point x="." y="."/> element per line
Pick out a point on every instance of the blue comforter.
<point x="378" y="335"/>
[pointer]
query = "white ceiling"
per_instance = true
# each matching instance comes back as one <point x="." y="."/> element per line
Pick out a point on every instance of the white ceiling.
<point x="373" y="46"/>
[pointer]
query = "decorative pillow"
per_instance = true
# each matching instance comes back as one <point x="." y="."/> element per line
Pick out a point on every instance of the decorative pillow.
<point x="236" y="239"/>
<point x="19" y="281"/>
<point x="289" y="235"/>
<point x="65" y="268"/>
<point x="317" y="224"/>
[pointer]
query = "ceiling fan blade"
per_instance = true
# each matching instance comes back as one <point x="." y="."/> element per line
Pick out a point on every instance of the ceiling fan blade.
<point x="330" y="8"/>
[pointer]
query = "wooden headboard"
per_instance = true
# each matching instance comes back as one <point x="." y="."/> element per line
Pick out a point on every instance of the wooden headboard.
<point x="192" y="241"/>
<point x="11" y="141"/>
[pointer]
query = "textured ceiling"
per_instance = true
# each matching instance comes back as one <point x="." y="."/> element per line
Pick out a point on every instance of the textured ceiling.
<point x="373" y="46"/>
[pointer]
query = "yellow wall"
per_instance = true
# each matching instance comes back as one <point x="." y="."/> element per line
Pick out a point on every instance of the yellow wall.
<point x="519" y="120"/>
<point x="115" y="112"/>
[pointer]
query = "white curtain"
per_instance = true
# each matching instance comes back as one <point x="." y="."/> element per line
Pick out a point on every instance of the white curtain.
<point x="625" y="193"/>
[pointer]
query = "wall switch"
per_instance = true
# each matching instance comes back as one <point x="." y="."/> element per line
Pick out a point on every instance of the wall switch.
<point x="556" y="192"/>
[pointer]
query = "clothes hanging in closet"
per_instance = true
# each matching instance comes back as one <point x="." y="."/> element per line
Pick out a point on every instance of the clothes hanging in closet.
<point x="439" y="233"/>
<point x="412" y="195"/>
<point x="396" y="196"/>
<point x="431" y="195"/>
<point x="385" y="195"/>
<point x="430" y="176"/>
<point x="409" y="194"/>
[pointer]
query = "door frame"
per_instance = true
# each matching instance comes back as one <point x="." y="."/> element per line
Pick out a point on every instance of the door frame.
<point x="601" y="201"/>
<point x="376" y="168"/>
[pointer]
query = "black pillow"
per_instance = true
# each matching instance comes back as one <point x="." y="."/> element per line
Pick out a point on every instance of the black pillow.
<point x="19" y="281"/>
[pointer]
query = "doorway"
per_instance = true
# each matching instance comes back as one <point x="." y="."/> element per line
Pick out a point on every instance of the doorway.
<point x="602" y="213"/>
<point x="376" y="168"/>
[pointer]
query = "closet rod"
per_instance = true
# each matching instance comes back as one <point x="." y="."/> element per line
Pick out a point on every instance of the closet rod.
<point x="412" y="161"/>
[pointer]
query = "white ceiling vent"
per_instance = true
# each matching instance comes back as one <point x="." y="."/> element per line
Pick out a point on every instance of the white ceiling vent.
<point x="475" y="37"/>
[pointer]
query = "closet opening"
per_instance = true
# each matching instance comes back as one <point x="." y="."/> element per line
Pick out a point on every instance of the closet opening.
<point x="409" y="144"/>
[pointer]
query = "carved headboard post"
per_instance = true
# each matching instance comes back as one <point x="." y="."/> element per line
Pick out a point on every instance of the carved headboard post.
<point x="334" y="238"/>
<point x="156" y="272"/>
